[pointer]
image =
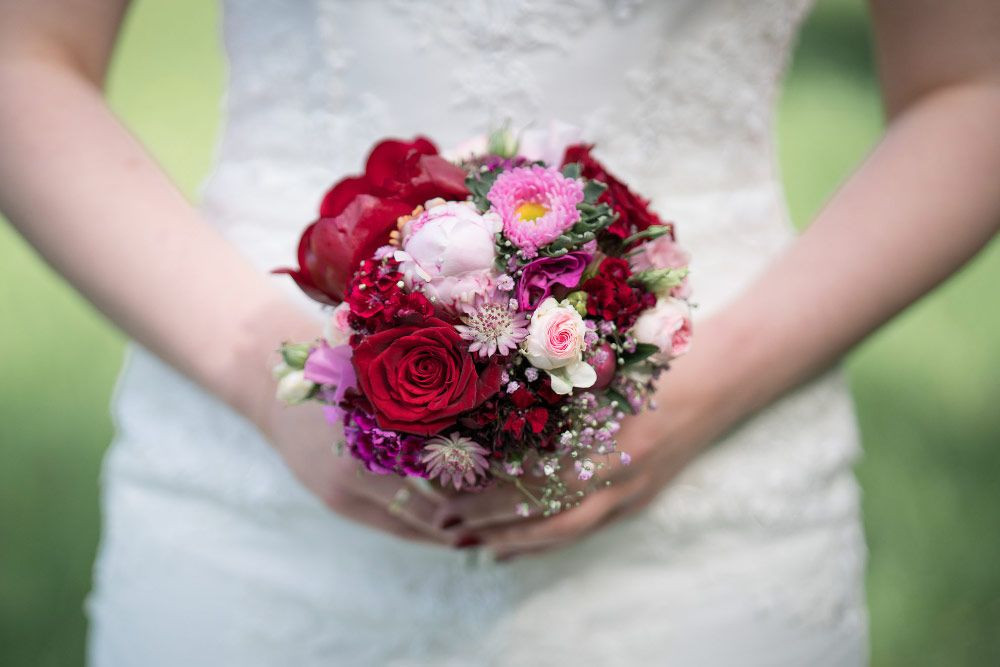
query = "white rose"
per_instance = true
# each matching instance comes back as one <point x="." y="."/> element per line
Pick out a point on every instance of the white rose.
<point x="293" y="387"/>
<point x="555" y="345"/>
<point x="667" y="325"/>
<point x="450" y="249"/>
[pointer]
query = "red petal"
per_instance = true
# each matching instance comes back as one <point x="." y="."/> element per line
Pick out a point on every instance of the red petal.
<point x="339" y="244"/>
<point x="384" y="161"/>
<point x="343" y="193"/>
<point x="537" y="418"/>
<point x="436" y="177"/>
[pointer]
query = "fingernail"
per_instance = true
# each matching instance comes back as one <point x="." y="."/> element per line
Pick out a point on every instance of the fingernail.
<point x="467" y="541"/>
<point x="451" y="522"/>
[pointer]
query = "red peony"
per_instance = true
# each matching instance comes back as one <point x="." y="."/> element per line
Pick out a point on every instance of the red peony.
<point x="610" y="297"/>
<point x="633" y="211"/>
<point x="420" y="378"/>
<point x="359" y="212"/>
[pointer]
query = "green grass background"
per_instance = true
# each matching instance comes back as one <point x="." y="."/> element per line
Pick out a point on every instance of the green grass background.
<point x="927" y="386"/>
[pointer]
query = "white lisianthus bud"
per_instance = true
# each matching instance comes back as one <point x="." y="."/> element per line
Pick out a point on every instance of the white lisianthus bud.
<point x="294" y="387"/>
<point x="280" y="370"/>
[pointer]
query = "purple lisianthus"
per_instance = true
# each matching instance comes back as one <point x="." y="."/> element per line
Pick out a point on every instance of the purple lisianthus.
<point x="383" y="452"/>
<point x="540" y="278"/>
<point x="331" y="368"/>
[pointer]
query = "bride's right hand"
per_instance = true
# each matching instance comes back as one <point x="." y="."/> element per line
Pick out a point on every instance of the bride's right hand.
<point x="387" y="503"/>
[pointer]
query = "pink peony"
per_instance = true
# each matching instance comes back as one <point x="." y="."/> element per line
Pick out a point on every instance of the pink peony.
<point x="449" y="251"/>
<point x="536" y="205"/>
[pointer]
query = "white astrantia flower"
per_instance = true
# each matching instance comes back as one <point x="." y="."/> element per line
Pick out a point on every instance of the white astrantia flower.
<point x="454" y="459"/>
<point x="491" y="327"/>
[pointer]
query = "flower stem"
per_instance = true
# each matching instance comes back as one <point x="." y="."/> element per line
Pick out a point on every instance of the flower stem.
<point x="520" y="487"/>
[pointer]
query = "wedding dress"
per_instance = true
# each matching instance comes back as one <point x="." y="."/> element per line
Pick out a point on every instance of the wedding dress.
<point x="213" y="554"/>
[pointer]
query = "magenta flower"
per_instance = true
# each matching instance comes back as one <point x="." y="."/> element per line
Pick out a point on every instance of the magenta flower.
<point x="544" y="275"/>
<point x="536" y="205"/>
<point x="383" y="452"/>
<point x="331" y="368"/>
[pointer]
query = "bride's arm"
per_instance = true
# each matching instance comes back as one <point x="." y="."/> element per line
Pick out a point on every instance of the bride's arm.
<point x="89" y="198"/>
<point x="922" y="204"/>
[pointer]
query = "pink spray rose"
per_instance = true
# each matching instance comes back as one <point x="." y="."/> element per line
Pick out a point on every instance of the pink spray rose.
<point x="666" y="325"/>
<point x="555" y="345"/>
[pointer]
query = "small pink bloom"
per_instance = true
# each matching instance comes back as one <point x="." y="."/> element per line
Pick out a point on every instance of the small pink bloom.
<point x="337" y="330"/>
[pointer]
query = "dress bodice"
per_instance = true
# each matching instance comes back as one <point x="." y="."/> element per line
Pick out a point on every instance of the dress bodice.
<point x="678" y="95"/>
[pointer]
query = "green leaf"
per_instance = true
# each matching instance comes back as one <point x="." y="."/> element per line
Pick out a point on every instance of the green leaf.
<point x="652" y="232"/>
<point x="571" y="170"/>
<point x="615" y="395"/>
<point x="642" y="352"/>
<point x="592" y="191"/>
<point x="479" y="185"/>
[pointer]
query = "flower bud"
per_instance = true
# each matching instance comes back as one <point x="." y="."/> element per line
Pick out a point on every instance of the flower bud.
<point x="659" y="281"/>
<point x="578" y="300"/>
<point x="294" y="387"/>
<point x="295" y="354"/>
<point x="502" y="142"/>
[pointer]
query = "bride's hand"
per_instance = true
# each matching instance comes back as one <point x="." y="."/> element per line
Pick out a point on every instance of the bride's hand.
<point x="388" y="503"/>
<point x="695" y="408"/>
<point x="489" y="519"/>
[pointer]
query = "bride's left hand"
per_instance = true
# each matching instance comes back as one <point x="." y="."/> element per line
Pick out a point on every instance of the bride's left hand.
<point x="660" y="443"/>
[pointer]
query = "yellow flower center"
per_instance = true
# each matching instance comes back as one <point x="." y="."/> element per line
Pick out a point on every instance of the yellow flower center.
<point x="530" y="211"/>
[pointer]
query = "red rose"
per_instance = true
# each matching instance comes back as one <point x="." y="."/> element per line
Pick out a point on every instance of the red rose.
<point x="633" y="211"/>
<point x="359" y="212"/>
<point x="420" y="378"/>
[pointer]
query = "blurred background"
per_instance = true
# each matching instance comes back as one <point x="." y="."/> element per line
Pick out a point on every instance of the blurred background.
<point x="927" y="386"/>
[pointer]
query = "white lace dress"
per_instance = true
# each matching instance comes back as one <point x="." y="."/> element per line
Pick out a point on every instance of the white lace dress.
<point x="214" y="555"/>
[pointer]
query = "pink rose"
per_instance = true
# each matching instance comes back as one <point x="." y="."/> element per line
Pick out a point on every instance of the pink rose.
<point x="449" y="250"/>
<point x="555" y="345"/>
<point x="666" y="325"/>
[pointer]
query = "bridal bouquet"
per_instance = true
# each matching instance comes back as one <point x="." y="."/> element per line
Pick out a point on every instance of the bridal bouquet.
<point x="493" y="317"/>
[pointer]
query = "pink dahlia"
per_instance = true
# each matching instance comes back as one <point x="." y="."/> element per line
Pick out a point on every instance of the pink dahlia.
<point x="536" y="205"/>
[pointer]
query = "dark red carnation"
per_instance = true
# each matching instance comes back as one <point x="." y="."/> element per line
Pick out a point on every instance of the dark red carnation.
<point x="420" y="378"/>
<point x="634" y="214"/>
<point x="359" y="212"/>
<point x="610" y="297"/>
<point x="377" y="298"/>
